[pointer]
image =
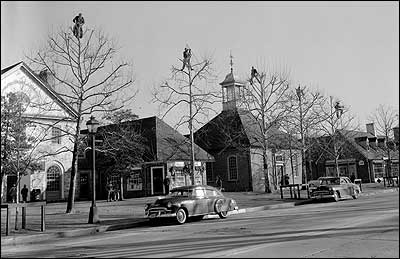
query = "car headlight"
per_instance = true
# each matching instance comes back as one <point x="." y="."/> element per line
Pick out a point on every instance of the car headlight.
<point x="169" y="204"/>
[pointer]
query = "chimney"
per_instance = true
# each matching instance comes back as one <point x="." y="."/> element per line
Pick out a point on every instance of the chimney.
<point x="48" y="78"/>
<point x="396" y="135"/>
<point x="370" y="128"/>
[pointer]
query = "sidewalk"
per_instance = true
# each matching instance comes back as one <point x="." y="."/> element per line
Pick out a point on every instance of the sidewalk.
<point x="129" y="213"/>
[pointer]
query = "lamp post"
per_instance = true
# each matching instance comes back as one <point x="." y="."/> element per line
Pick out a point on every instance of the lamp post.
<point x="92" y="125"/>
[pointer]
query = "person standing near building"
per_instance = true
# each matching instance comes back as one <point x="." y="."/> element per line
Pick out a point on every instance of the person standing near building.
<point x="110" y="191"/>
<point x="219" y="182"/>
<point x="13" y="193"/>
<point x="167" y="182"/>
<point x="24" y="193"/>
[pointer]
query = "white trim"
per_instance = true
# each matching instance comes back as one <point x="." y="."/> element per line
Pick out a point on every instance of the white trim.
<point x="151" y="177"/>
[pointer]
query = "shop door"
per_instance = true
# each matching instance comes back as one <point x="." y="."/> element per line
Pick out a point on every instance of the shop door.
<point x="157" y="176"/>
<point x="84" y="186"/>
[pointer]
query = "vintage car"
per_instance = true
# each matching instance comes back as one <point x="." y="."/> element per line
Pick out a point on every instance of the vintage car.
<point x="313" y="184"/>
<point x="335" y="187"/>
<point x="193" y="201"/>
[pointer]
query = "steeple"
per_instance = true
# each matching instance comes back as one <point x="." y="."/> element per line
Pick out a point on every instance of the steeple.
<point x="232" y="90"/>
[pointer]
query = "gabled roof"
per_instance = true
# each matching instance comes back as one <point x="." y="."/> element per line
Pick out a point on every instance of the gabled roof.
<point x="163" y="143"/>
<point x="371" y="153"/>
<point x="239" y="128"/>
<point x="43" y="85"/>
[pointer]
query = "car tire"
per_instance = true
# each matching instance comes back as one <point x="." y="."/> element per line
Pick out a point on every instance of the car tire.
<point x="336" y="196"/>
<point x="355" y="194"/>
<point x="223" y="214"/>
<point x="218" y="209"/>
<point x="181" y="216"/>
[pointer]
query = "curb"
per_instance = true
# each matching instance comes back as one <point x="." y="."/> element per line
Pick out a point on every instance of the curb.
<point x="18" y="240"/>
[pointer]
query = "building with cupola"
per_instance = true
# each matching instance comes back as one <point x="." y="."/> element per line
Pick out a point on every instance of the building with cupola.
<point x="232" y="137"/>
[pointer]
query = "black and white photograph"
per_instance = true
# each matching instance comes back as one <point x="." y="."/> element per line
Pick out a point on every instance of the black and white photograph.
<point x="200" y="129"/>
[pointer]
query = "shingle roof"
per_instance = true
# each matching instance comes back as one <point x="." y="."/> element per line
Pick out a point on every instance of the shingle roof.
<point x="370" y="153"/>
<point x="44" y="86"/>
<point x="163" y="143"/>
<point x="238" y="128"/>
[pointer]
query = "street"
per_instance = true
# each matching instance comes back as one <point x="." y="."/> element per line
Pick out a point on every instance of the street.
<point x="366" y="227"/>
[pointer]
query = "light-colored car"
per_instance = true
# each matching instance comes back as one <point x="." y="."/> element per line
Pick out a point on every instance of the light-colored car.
<point x="337" y="188"/>
<point x="194" y="201"/>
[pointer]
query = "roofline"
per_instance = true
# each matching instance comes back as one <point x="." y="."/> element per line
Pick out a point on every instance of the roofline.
<point x="50" y="91"/>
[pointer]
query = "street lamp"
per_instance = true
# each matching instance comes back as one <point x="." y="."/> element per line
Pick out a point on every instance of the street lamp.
<point x="92" y="125"/>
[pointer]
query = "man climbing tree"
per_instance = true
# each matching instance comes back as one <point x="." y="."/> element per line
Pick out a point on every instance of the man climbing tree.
<point x="79" y="21"/>
<point x="254" y="73"/>
<point x="187" y="54"/>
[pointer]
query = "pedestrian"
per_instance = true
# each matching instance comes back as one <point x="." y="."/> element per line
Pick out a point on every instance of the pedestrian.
<point x="110" y="191"/>
<point x="286" y="179"/>
<point x="187" y="54"/>
<point x="254" y="73"/>
<point x="79" y="21"/>
<point x="116" y="193"/>
<point x="219" y="182"/>
<point x="352" y="178"/>
<point x="24" y="193"/>
<point x="167" y="182"/>
<point x="13" y="193"/>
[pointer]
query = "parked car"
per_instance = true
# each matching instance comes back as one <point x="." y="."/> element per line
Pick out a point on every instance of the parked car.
<point x="193" y="201"/>
<point x="313" y="184"/>
<point x="336" y="187"/>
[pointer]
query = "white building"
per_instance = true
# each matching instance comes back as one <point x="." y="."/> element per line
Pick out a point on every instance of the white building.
<point x="53" y="119"/>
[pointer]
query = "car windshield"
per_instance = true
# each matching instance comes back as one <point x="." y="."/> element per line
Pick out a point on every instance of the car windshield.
<point x="330" y="181"/>
<point x="180" y="192"/>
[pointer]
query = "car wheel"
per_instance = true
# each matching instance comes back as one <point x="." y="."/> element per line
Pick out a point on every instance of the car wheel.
<point x="223" y="214"/>
<point x="355" y="194"/>
<point x="336" y="196"/>
<point x="181" y="216"/>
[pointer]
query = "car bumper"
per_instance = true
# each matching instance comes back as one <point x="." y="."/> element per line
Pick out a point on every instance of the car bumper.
<point x="322" y="196"/>
<point x="159" y="213"/>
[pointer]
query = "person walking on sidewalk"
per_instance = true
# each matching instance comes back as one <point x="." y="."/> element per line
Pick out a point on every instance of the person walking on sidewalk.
<point x="24" y="193"/>
<point x="116" y="193"/>
<point x="110" y="191"/>
<point x="167" y="182"/>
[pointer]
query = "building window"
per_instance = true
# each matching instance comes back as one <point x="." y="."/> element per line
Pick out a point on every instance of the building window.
<point x="55" y="135"/>
<point x="378" y="170"/>
<point x="53" y="178"/>
<point x="395" y="168"/>
<point x="232" y="168"/>
<point x="209" y="172"/>
<point x="135" y="181"/>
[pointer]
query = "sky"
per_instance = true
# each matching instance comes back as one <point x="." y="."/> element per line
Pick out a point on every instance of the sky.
<point x="349" y="50"/>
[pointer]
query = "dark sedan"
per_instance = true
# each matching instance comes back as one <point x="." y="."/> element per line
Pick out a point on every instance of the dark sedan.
<point x="336" y="187"/>
<point x="193" y="201"/>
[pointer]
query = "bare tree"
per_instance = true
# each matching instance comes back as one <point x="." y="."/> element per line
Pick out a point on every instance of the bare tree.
<point x="188" y="90"/>
<point x="336" y="125"/>
<point x="385" y="118"/>
<point x="90" y="79"/>
<point x="304" y="105"/>
<point x="264" y="98"/>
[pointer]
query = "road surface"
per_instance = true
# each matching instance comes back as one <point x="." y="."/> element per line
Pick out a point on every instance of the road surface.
<point x="366" y="227"/>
